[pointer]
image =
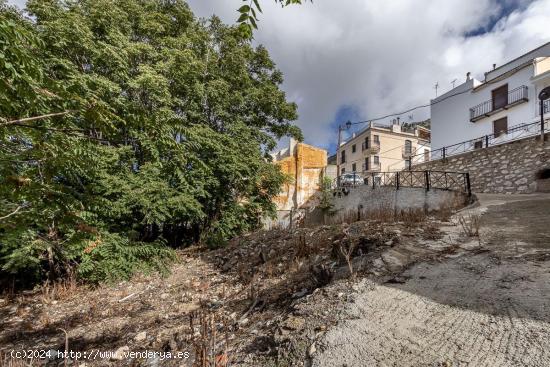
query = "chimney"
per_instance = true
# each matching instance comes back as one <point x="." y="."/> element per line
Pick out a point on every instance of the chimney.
<point x="398" y="120"/>
<point x="494" y="66"/>
<point x="468" y="75"/>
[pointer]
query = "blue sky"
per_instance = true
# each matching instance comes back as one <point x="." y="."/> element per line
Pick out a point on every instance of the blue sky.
<point x="359" y="59"/>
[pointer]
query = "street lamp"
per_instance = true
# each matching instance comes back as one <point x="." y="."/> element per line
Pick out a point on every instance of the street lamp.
<point x="543" y="96"/>
<point x="341" y="128"/>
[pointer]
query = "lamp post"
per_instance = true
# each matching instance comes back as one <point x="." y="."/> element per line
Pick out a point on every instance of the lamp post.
<point x="543" y="96"/>
<point x="338" y="156"/>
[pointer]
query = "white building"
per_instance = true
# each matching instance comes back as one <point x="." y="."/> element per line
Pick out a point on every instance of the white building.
<point x="507" y="97"/>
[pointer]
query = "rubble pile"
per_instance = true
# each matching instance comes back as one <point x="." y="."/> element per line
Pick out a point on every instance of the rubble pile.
<point x="262" y="297"/>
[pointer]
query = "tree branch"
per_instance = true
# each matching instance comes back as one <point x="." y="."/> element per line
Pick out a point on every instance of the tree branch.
<point x="14" y="212"/>
<point x="34" y="118"/>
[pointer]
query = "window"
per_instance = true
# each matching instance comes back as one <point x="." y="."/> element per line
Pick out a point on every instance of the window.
<point x="353" y="148"/>
<point x="366" y="164"/>
<point x="343" y="170"/>
<point x="500" y="97"/>
<point x="353" y="167"/>
<point x="376" y="139"/>
<point x="343" y="157"/>
<point x="478" y="144"/>
<point x="500" y="127"/>
<point x="408" y="147"/>
<point x="367" y="142"/>
<point x="376" y="159"/>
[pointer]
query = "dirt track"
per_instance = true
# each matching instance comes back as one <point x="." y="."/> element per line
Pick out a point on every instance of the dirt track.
<point x="475" y="309"/>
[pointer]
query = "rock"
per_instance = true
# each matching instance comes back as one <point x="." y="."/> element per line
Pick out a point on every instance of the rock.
<point x="312" y="349"/>
<point x="140" y="336"/>
<point x="300" y="294"/>
<point x="153" y="362"/>
<point x="164" y="296"/>
<point x="294" y="323"/>
<point x="120" y="353"/>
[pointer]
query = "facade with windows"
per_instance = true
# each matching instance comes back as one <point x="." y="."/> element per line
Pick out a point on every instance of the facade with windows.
<point x="506" y="97"/>
<point x="382" y="148"/>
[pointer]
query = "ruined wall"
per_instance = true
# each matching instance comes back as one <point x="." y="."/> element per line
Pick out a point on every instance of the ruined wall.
<point x="508" y="168"/>
<point x="305" y="166"/>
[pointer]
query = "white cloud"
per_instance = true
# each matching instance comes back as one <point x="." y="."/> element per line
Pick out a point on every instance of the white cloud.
<point x="384" y="56"/>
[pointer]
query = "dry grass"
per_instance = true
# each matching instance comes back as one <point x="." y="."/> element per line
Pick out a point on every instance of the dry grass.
<point x="58" y="290"/>
<point x="470" y="224"/>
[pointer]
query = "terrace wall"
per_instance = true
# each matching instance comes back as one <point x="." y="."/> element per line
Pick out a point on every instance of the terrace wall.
<point x="507" y="168"/>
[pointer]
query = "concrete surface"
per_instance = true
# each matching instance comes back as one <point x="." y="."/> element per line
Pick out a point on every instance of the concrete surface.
<point x="488" y="307"/>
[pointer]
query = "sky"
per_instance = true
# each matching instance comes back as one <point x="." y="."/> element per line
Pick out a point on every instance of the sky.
<point x="360" y="59"/>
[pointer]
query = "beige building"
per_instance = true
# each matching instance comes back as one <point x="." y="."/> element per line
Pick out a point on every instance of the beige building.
<point x="381" y="148"/>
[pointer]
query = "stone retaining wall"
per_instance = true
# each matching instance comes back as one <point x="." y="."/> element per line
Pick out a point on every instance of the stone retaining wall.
<point x="508" y="168"/>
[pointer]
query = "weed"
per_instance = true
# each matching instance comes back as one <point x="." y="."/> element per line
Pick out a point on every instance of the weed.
<point x="470" y="224"/>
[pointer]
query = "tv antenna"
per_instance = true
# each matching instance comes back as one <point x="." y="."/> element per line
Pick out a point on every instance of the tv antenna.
<point x="453" y="83"/>
<point x="435" y="87"/>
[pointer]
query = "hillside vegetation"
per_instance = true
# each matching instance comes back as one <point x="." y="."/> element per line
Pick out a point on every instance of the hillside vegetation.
<point x="160" y="136"/>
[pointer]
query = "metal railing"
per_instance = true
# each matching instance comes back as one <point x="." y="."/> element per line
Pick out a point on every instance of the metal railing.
<point x="516" y="132"/>
<point x="442" y="180"/>
<point x="373" y="167"/>
<point x="487" y="108"/>
<point x="372" y="147"/>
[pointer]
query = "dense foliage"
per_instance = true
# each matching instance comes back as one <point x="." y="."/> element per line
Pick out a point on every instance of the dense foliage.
<point x="162" y="139"/>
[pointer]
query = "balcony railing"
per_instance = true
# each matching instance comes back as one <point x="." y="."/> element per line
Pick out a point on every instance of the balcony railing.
<point x="373" y="167"/>
<point x="546" y="106"/>
<point x="488" y="108"/>
<point x="372" y="148"/>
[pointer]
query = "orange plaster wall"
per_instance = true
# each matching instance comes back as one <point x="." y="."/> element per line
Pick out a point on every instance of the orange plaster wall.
<point x="305" y="167"/>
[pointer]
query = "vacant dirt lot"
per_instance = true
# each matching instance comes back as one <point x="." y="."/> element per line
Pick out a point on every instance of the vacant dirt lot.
<point x="424" y="294"/>
<point x="489" y="307"/>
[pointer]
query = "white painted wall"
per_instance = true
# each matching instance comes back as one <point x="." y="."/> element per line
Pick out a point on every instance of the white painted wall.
<point x="450" y="114"/>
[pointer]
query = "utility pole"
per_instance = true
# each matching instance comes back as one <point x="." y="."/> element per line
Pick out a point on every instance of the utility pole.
<point x="436" y="86"/>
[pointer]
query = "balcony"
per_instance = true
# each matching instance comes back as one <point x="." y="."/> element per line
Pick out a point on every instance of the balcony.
<point x="373" y="167"/>
<point x="408" y="152"/>
<point x="488" y="108"/>
<point x="372" y="148"/>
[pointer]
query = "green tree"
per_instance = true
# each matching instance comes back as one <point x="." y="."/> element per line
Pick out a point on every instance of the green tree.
<point x="163" y="138"/>
<point x="248" y="14"/>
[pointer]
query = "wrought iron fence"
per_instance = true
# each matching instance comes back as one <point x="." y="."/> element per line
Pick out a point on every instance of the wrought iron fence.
<point x="443" y="180"/>
<point x="514" y="133"/>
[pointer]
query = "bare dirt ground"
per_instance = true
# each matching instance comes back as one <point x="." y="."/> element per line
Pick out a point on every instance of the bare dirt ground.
<point x="488" y="307"/>
<point x="424" y="294"/>
<point x="261" y="300"/>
